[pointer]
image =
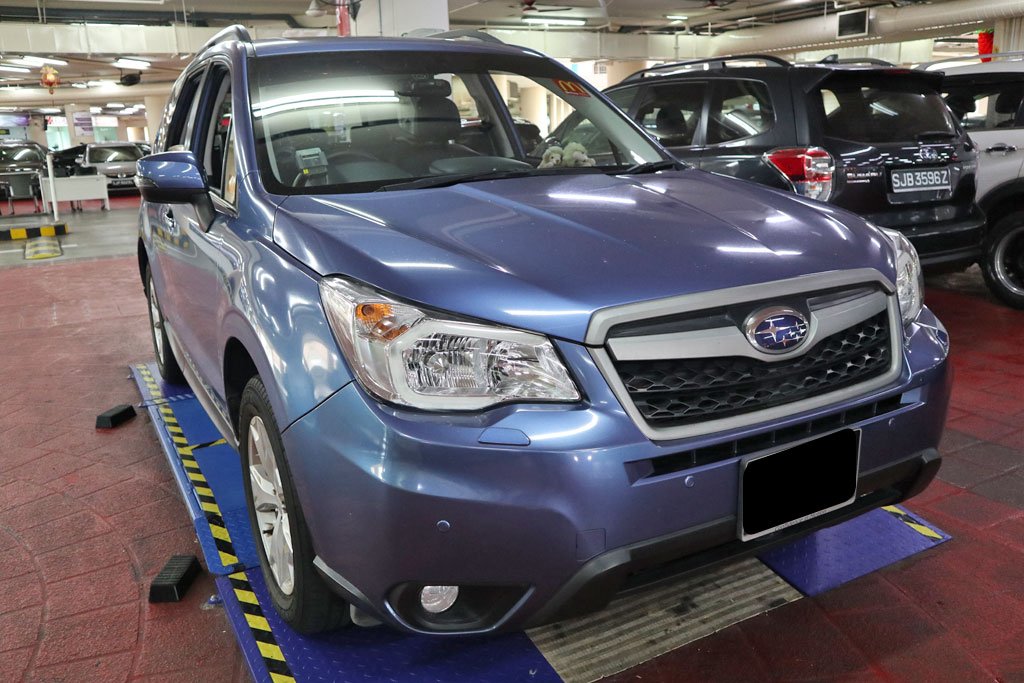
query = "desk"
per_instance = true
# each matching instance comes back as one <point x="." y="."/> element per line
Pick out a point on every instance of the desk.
<point x="77" y="188"/>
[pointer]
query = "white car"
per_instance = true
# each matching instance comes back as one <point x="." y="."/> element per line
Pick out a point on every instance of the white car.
<point x="988" y="100"/>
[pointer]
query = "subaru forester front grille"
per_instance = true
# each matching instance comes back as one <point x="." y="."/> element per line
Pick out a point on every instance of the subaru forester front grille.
<point x="676" y="392"/>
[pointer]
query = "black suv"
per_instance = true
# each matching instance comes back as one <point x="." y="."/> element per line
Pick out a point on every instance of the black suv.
<point x="876" y="139"/>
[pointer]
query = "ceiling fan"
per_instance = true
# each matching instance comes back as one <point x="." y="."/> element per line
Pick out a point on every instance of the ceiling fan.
<point x="528" y="6"/>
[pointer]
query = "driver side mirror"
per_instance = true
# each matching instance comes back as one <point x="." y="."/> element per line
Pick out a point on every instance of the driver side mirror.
<point x="174" y="178"/>
<point x="171" y="178"/>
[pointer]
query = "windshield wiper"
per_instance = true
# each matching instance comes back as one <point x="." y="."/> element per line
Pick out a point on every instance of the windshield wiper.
<point x="653" y="167"/>
<point x="456" y="178"/>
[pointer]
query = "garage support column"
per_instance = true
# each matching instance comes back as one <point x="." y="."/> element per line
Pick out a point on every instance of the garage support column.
<point x="154" y="112"/>
<point x="398" y="17"/>
<point x="83" y="133"/>
<point x="1009" y="36"/>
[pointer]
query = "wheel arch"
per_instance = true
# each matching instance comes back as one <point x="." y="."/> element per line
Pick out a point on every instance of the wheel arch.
<point x="1003" y="200"/>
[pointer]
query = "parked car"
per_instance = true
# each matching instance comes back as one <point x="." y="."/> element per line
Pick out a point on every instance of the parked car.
<point x="987" y="99"/>
<point x="116" y="160"/>
<point x="873" y="139"/>
<point x="67" y="162"/>
<point x="474" y="392"/>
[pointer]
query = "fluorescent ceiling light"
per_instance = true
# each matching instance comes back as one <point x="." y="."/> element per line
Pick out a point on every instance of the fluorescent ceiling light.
<point x="79" y="85"/>
<point x="14" y="69"/>
<point x="125" y="63"/>
<point x="115" y="105"/>
<point x="677" y="17"/>
<point x="49" y="110"/>
<point x="552" y="21"/>
<point x="95" y="110"/>
<point x="30" y="60"/>
<point x="97" y="84"/>
<point x="125" y="2"/>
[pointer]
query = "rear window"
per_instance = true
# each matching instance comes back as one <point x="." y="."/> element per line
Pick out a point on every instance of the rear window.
<point x="882" y="112"/>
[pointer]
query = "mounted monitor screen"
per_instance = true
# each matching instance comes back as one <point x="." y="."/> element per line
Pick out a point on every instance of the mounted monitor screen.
<point x="853" y="24"/>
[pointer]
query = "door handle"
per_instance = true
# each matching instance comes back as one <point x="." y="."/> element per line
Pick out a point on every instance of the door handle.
<point x="1001" y="147"/>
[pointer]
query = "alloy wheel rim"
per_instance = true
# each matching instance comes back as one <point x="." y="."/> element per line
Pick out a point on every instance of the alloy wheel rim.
<point x="156" y="320"/>
<point x="1009" y="261"/>
<point x="271" y="511"/>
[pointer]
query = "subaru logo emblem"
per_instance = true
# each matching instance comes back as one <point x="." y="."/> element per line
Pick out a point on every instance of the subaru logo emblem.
<point x="929" y="154"/>
<point x="776" y="330"/>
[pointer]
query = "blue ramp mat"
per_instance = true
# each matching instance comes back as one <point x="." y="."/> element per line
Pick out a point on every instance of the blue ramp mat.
<point x="833" y="556"/>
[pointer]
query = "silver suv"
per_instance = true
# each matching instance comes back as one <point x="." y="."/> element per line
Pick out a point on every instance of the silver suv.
<point x="987" y="97"/>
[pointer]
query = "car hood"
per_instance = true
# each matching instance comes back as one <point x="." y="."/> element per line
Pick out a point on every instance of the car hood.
<point x="544" y="253"/>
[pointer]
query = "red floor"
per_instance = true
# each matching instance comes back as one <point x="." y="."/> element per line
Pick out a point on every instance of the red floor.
<point x="87" y="518"/>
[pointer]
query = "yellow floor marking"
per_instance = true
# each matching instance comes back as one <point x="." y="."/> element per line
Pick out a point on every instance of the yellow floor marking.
<point x="270" y="651"/>
<point x="257" y="622"/>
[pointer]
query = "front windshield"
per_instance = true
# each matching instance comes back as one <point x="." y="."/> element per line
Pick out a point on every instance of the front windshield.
<point x="113" y="155"/>
<point x="360" y="121"/>
<point x="12" y="154"/>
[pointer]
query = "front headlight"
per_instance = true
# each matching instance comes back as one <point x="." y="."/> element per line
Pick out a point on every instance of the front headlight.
<point x="909" y="278"/>
<point x="418" y="358"/>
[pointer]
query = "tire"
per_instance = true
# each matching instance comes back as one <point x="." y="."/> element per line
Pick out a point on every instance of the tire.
<point x="1003" y="263"/>
<point x="300" y="596"/>
<point x="165" y="360"/>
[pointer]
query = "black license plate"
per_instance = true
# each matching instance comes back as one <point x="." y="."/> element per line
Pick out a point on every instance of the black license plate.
<point x="794" y="485"/>
<point x="920" y="179"/>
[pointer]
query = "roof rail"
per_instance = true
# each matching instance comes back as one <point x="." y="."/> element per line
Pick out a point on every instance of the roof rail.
<point x="465" y="33"/>
<point x="712" y="62"/>
<point x="234" y="32"/>
<point x="965" y="58"/>
<point x="835" y="59"/>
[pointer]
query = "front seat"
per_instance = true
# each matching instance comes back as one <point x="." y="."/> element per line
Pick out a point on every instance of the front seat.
<point x="1008" y="104"/>
<point x="429" y="124"/>
<point x="672" y="128"/>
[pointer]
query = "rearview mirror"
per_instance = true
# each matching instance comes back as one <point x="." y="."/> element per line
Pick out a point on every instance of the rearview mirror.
<point x="171" y="178"/>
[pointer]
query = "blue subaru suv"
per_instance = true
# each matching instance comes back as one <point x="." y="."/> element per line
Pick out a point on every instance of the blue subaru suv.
<point x="479" y="383"/>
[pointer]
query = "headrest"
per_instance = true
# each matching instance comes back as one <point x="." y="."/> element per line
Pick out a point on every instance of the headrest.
<point x="961" y="104"/>
<point x="670" y="121"/>
<point x="1008" y="101"/>
<point x="432" y="119"/>
<point x="426" y="87"/>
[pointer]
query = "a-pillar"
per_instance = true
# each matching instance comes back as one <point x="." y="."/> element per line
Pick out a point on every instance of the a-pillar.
<point x="83" y="133"/>
<point x="399" y="17"/>
<point x="154" y="113"/>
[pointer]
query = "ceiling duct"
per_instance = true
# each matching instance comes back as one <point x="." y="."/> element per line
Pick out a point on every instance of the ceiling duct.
<point x="888" y="24"/>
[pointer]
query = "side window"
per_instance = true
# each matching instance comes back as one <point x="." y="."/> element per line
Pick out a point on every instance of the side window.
<point x="672" y="112"/>
<point x="622" y="98"/>
<point x="986" y="106"/>
<point x="217" y="150"/>
<point x="182" y="113"/>
<point x="739" y="109"/>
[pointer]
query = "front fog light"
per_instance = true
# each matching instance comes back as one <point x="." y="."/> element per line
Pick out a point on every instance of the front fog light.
<point x="437" y="599"/>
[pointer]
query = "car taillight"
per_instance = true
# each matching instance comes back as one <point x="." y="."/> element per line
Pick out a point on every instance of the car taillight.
<point x="808" y="169"/>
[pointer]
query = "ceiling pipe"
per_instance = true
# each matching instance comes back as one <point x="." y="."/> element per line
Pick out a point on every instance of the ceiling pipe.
<point x="888" y="24"/>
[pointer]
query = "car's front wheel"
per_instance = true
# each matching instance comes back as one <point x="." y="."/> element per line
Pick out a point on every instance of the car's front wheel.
<point x="1003" y="265"/>
<point x="284" y="545"/>
<point x="165" y="360"/>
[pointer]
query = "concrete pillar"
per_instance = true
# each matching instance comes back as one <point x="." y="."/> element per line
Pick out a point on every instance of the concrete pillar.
<point x="77" y="137"/>
<point x="1009" y="35"/>
<point x="35" y="130"/>
<point x="398" y="17"/>
<point x="618" y="70"/>
<point x="533" y="106"/>
<point x="154" y="113"/>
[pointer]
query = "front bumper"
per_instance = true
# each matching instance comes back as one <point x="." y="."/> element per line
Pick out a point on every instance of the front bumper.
<point x="538" y="508"/>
